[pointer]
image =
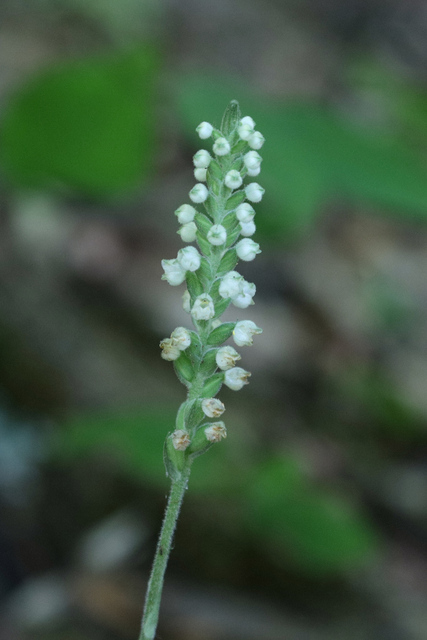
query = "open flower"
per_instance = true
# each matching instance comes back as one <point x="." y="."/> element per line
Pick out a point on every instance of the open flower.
<point x="203" y="307"/>
<point x="170" y="350"/>
<point x="236" y="378"/>
<point x="226" y="358"/>
<point x="216" y="431"/>
<point x="181" y="337"/>
<point x="174" y="273"/>
<point x="243" y="332"/>
<point x="212" y="407"/>
<point x="180" y="440"/>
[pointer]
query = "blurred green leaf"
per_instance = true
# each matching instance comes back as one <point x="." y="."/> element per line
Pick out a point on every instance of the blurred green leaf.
<point x="85" y="125"/>
<point x="304" y="524"/>
<point x="313" y="155"/>
<point x="135" y="441"/>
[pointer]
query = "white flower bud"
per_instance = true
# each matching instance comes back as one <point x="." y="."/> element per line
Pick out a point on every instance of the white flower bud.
<point x="185" y="213"/>
<point x="199" y="193"/>
<point x="217" y="235"/>
<point x="174" y="273"/>
<point x="256" y="140"/>
<point x="247" y="249"/>
<point x="236" y="378"/>
<point x="189" y="258"/>
<point x="212" y="407"/>
<point x="226" y="357"/>
<point x="203" y="307"/>
<point x="247" y="229"/>
<point x="245" y="131"/>
<point x="254" y="172"/>
<point x="244" y="212"/>
<point x="186" y="301"/>
<point x="188" y="232"/>
<point x="248" y="120"/>
<point x="216" y="431"/>
<point x="204" y="130"/>
<point x="244" y="298"/>
<point x="243" y="332"/>
<point x="233" y="179"/>
<point x="180" y="440"/>
<point x="181" y="337"/>
<point x="254" y="192"/>
<point x="200" y="174"/>
<point x="202" y="159"/>
<point x="252" y="160"/>
<point x="221" y="147"/>
<point x="170" y="350"/>
<point x="231" y="285"/>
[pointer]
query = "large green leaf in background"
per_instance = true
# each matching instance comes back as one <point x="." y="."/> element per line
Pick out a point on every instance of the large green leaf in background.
<point x="295" y="520"/>
<point x="301" y="523"/>
<point x="313" y="155"/>
<point x="83" y="125"/>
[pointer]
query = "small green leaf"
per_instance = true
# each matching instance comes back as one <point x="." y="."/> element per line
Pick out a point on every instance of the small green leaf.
<point x="228" y="262"/>
<point x="174" y="460"/>
<point x="232" y="236"/>
<point x="204" y="272"/>
<point x="221" y="333"/>
<point x="215" y="170"/>
<point x="234" y="201"/>
<point x="208" y="365"/>
<point x="194" y="285"/>
<point x="230" y="222"/>
<point x="184" y="368"/>
<point x="231" y="118"/>
<point x="212" y="386"/>
<point x="221" y="306"/>
<point x="199" y="444"/>
<point x="204" y="245"/>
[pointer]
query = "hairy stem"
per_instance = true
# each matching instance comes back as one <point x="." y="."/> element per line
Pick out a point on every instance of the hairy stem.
<point x="155" y="584"/>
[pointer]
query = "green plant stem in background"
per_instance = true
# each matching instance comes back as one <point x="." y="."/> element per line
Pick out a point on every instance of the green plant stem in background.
<point x="155" y="585"/>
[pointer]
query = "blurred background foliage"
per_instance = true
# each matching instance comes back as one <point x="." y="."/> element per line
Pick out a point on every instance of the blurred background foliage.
<point x="310" y="521"/>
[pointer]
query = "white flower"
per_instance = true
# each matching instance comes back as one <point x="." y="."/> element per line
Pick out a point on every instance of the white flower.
<point x="256" y="140"/>
<point x="243" y="332"/>
<point x="245" y="128"/>
<point x="247" y="229"/>
<point x="188" y="232"/>
<point x="186" y="301"/>
<point x="170" y="350"/>
<point x="199" y="193"/>
<point x="202" y="159"/>
<point x="185" y="213"/>
<point x="174" y="273"/>
<point x="181" y="337"/>
<point x="252" y="160"/>
<point x="254" y="172"/>
<point x="244" y="212"/>
<point x="244" y="297"/>
<point x="221" y="147"/>
<point x="254" y="192"/>
<point x="217" y="235"/>
<point x="189" y="258"/>
<point x="226" y="357"/>
<point x="212" y="407"/>
<point x="247" y="249"/>
<point x="236" y="378"/>
<point x="231" y="285"/>
<point x="204" y="130"/>
<point x="233" y="179"/>
<point x="216" y="431"/>
<point x="180" y="440"/>
<point x="203" y="307"/>
<point x="200" y="174"/>
<point x="248" y="120"/>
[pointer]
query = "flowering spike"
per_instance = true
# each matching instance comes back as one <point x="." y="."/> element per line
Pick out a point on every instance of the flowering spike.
<point x="222" y="226"/>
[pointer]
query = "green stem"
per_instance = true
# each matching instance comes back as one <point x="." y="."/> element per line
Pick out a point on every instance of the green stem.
<point x="155" y="584"/>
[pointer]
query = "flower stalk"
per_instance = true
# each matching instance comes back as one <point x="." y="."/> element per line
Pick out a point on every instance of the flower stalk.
<point x="221" y="225"/>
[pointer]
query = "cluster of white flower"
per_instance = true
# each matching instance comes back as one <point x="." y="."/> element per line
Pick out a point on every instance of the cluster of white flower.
<point x="223" y="233"/>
